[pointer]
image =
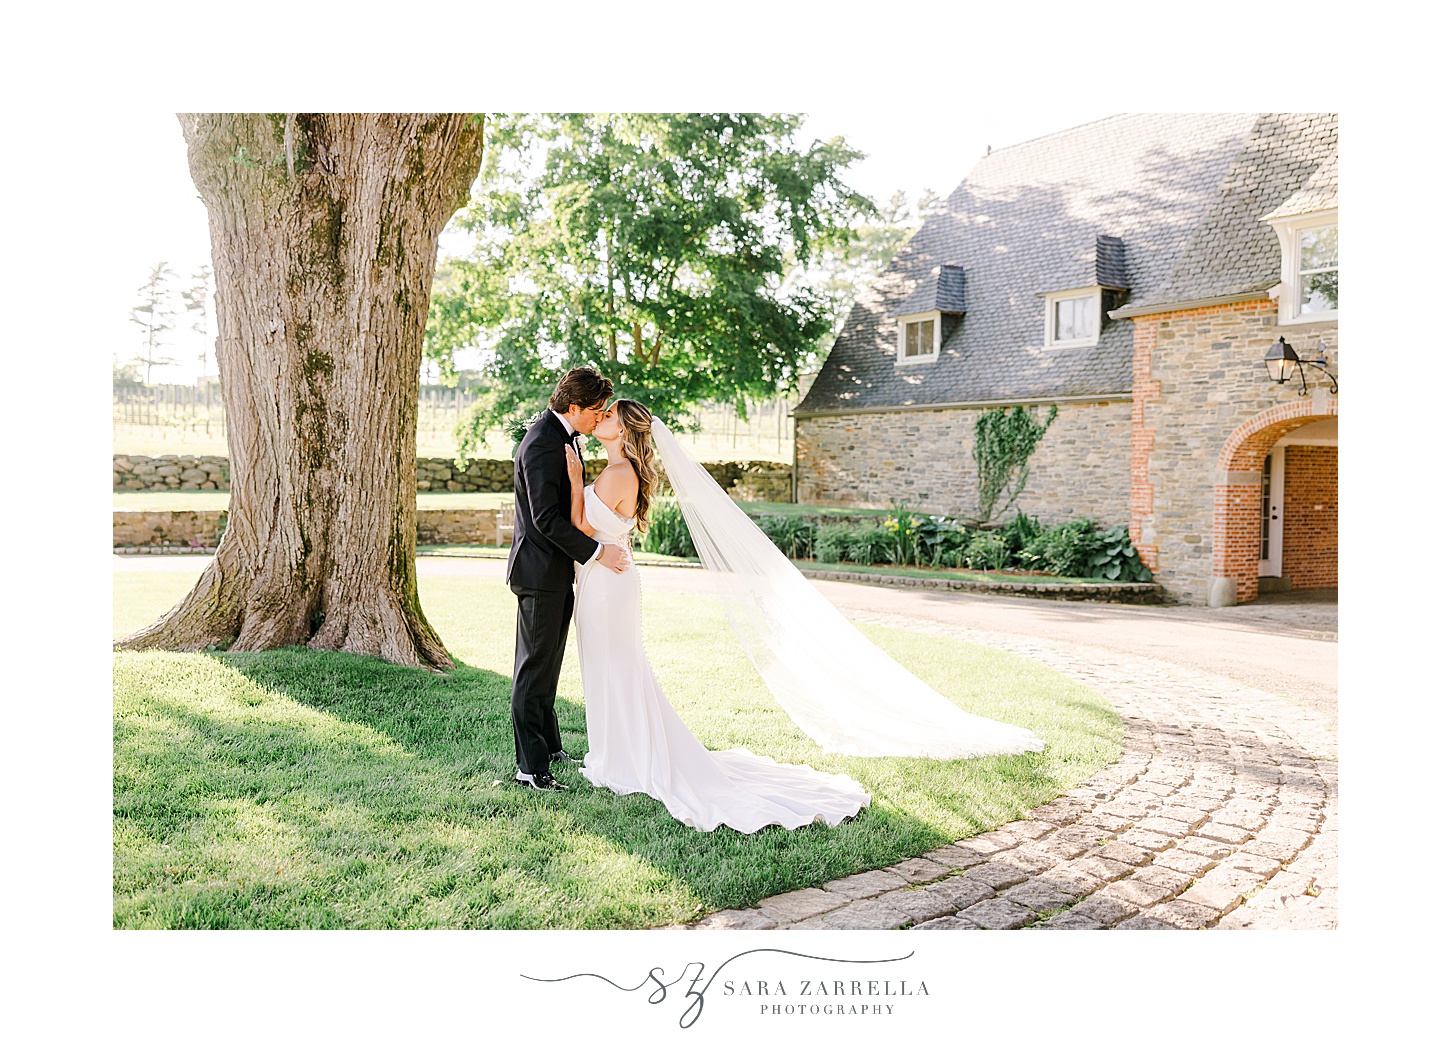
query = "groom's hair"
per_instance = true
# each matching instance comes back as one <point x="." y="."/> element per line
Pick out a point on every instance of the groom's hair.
<point x="582" y="386"/>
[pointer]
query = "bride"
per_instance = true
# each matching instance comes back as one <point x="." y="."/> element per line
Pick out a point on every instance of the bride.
<point x="836" y="685"/>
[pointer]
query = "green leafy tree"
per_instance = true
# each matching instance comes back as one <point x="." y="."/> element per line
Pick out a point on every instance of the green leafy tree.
<point x="929" y="203"/>
<point x="653" y="246"/>
<point x="846" y="268"/>
<point x="1005" y="439"/>
<point x="124" y="376"/>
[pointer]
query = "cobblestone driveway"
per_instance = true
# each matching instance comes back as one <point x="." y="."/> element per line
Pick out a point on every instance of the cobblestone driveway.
<point x="1220" y="814"/>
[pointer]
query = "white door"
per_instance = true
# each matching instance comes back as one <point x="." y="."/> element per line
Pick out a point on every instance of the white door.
<point x="1272" y="512"/>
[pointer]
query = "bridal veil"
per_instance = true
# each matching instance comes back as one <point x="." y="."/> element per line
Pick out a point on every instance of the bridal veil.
<point x="839" y="688"/>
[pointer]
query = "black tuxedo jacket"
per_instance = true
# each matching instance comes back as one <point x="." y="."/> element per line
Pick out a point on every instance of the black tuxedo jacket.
<point x="546" y="543"/>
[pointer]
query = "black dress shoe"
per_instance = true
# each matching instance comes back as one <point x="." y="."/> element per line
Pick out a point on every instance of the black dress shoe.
<point x="543" y="780"/>
<point x="561" y="757"/>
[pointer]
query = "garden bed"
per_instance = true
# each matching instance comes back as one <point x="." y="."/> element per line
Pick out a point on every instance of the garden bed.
<point x="1063" y="588"/>
<point x="1053" y="587"/>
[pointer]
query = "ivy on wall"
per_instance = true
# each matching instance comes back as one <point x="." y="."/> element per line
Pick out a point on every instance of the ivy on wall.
<point x="1004" y="440"/>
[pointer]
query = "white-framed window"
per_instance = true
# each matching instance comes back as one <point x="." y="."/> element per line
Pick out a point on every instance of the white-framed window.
<point x="1309" y="288"/>
<point x="919" y="337"/>
<point x="1072" y="318"/>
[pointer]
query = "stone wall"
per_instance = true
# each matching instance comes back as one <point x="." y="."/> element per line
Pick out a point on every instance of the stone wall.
<point x="1081" y="467"/>
<point x="494" y="527"/>
<point x="743" y="479"/>
<point x="167" y="528"/>
<point x="160" y="473"/>
<point x="1199" y="383"/>
<point x="1311" y="518"/>
<point x="204" y="528"/>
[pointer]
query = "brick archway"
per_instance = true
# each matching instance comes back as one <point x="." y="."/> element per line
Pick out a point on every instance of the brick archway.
<point x="1237" y="489"/>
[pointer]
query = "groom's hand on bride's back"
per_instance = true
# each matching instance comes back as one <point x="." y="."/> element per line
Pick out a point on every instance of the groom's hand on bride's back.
<point x="614" y="558"/>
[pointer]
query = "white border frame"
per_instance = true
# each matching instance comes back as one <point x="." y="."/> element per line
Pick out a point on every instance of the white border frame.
<point x="1050" y="302"/>
<point x="903" y="359"/>
<point x="1288" y="229"/>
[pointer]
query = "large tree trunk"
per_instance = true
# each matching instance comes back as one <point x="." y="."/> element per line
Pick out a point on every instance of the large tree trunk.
<point x="324" y="234"/>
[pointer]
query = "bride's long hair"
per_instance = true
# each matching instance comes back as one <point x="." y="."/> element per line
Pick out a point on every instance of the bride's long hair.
<point x="640" y="451"/>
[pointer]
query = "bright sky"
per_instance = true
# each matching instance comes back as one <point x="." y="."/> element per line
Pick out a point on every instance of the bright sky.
<point x="905" y="149"/>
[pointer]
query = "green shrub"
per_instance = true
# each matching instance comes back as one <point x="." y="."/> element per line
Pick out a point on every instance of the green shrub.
<point x="1117" y="558"/>
<point x="904" y="526"/>
<point x="943" y="541"/>
<point x="668" y="533"/>
<point x="1019" y="532"/>
<point x="833" y="542"/>
<point x="872" y="545"/>
<point x="1063" y="550"/>
<point x="987" y="550"/>
<point x="792" y="536"/>
<point x="1080" y="548"/>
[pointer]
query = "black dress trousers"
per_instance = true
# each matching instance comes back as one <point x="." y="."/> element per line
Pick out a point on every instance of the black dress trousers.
<point x="539" y="640"/>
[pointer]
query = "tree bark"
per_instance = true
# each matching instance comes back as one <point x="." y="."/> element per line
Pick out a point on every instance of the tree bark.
<point x="324" y="233"/>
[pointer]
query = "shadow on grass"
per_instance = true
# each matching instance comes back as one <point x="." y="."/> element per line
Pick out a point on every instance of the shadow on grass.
<point x="314" y="789"/>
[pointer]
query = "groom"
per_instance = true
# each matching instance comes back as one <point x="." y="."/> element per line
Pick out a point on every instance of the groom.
<point x="541" y="568"/>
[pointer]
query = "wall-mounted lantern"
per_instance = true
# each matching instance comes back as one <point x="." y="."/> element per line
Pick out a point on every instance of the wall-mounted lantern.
<point x="1283" y="363"/>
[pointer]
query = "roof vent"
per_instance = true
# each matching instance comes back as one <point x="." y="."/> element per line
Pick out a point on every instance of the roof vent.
<point x="1111" y="271"/>
<point x="942" y="290"/>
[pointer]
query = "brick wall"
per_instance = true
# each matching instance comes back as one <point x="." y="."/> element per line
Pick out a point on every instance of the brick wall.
<point x="1311" y="543"/>
<point x="1204" y="414"/>
<point x="925" y="458"/>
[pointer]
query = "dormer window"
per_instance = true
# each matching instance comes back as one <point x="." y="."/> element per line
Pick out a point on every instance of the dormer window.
<point x="919" y="337"/>
<point x="1309" y="288"/>
<point x="1073" y="318"/>
<point x="938" y="296"/>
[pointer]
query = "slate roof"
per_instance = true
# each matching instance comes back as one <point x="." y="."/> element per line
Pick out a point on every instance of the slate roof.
<point x="1184" y="192"/>
<point x="1319" y="192"/>
<point x="1234" y="250"/>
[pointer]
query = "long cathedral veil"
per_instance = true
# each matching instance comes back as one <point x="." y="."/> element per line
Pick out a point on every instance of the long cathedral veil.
<point x="839" y="688"/>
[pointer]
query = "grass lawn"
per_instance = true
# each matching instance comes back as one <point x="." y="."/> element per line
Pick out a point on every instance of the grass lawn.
<point x="309" y="789"/>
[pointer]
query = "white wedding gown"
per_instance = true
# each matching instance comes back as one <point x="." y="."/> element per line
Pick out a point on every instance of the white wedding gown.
<point x="639" y="744"/>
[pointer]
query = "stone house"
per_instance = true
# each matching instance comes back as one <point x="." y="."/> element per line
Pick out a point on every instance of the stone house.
<point x="1134" y="271"/>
